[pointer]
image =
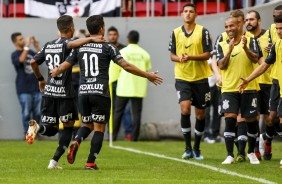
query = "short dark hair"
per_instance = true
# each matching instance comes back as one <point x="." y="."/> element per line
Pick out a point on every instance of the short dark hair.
<point x="133" y="36"/>
<point x="279" y="7"/>
<point x="257" y="13"/>
<point x="94" y="23"/>
<point x="112" y="28"/>
<point x="278" y="19"/>
<point x="237" y="13"/>
<point x="191" y="5"/>
<point x="64" y="23"/>
<point x="14" y="36"/>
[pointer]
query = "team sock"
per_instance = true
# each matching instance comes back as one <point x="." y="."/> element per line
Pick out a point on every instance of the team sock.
<point x="96" y="145"/>
<point x="48" y="130"/>
<point x="82" y="134"/>
<point x="229" y="135"/>
<point x="242" y="137"/>
<point x="199" y="131"/>
<point x="63" y="142"/>
<point x="252" y="135"/>
<point x="186" y="130"/>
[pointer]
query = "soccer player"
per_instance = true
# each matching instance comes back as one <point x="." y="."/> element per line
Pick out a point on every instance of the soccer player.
<point x="58" y="99"/>
<point x="190" y="46"/>
<point x="235" y="58"/>
<point x="273" y="127"/>
<point x="253" y="22"/>
<point x="94" y="98"/>
<point x="273" y="57"/>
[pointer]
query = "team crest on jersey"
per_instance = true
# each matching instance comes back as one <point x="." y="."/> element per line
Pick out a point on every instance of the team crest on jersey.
<point x="225" y="104"/>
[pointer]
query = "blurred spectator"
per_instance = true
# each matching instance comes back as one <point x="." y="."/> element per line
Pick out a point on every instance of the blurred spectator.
<point x="26" y="83"/>
<point x="130" y="87"/>
<point x="213" y="118"/>
<point x="113" y="36"/>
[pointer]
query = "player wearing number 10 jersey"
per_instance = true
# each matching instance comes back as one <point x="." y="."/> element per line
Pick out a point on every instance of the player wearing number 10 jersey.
<point x="58" y="99"/>
<point x="94" y="97"/>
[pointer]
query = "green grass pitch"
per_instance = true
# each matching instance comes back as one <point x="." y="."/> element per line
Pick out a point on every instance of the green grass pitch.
<point x="21" y="163"/>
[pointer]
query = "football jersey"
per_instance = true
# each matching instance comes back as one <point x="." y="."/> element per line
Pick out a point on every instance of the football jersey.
<point x="196" y="43"/>
<point x="239" y="65"/>
<point x="53" y="54"/>
<point x="94" y="60"/>
<point x="275" y="56"/>
<point x="262" y="39"/>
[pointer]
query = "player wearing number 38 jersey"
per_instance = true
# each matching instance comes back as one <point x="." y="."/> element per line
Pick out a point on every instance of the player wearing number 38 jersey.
<point x="94" y="97"/>
<point x="58" y="100"/>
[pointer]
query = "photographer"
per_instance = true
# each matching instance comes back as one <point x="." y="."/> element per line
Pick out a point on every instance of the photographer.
<point x="26" y="83"/>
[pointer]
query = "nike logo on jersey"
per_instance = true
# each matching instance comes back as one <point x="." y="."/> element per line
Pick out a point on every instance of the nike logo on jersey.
<point x="252" y="111"/>
<point x="233" y="55"/>
<point x="186" y="47"/>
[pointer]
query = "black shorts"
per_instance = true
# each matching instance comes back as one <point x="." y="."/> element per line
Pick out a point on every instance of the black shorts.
<point x="245" y="103"/>
<point x="54" y="109"/>
<point x="263" y="100"/>
<point x="274" y="95"/>
<point x="198" y="92"/>
<point x="94" y="108"/>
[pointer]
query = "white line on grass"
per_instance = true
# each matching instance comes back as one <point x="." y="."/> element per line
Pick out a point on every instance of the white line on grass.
<point x="261" y="180"/>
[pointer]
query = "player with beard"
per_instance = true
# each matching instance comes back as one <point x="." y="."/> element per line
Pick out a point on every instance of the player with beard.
<point x="253" y="22"/>
<point x="274" y="56"/>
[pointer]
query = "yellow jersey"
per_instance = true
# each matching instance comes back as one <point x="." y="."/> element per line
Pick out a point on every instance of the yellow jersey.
<point x="239" y="65"/>
<point x="196" y="43"/>
<point x="262" y="38"/>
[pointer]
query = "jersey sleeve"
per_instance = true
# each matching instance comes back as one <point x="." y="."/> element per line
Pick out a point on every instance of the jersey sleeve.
<point x="206" y="41"/>
<point x="72" y="58"/>
<point x="218" y="39"/>
<point x="271" y="58"/>
<point x="172" y="44"/>
<point x="254" y="47"/>
<point x="219" y="53"/>
<point x="114" y="53"/>
<point x="40" y="56"/>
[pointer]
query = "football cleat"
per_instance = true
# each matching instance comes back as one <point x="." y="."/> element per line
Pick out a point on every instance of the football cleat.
<point x="240" y="158"/>
<point x="31" y="132"/>
<point x="208" y="140"/>
<point x="267" y="153"/>
<point x="187" y="154"/>
<point x="197" y="155"/>
<point x="253" y="159"/>
<point x="229" y="160"/>
<point x="72" y="152"/>
<point x="54" y="165"/>
<point x="258" y="155"/>
<point x="91" y="166"/>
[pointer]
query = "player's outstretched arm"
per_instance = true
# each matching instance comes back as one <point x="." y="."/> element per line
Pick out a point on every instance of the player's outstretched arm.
<point x="82" y="41"/>
<point x="60" y="69"/>
<point x="152" y="77"/>
<point x="38" y="75"/>
<point x="257" y="72"/>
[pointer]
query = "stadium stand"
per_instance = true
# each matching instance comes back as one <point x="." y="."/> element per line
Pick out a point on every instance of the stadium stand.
<point x="4" y="11"/>
<point x="211" y="8"/>
<point x="141" y="9"/>
<point x="173" y="9"/>
<point x="19" y="10"/>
